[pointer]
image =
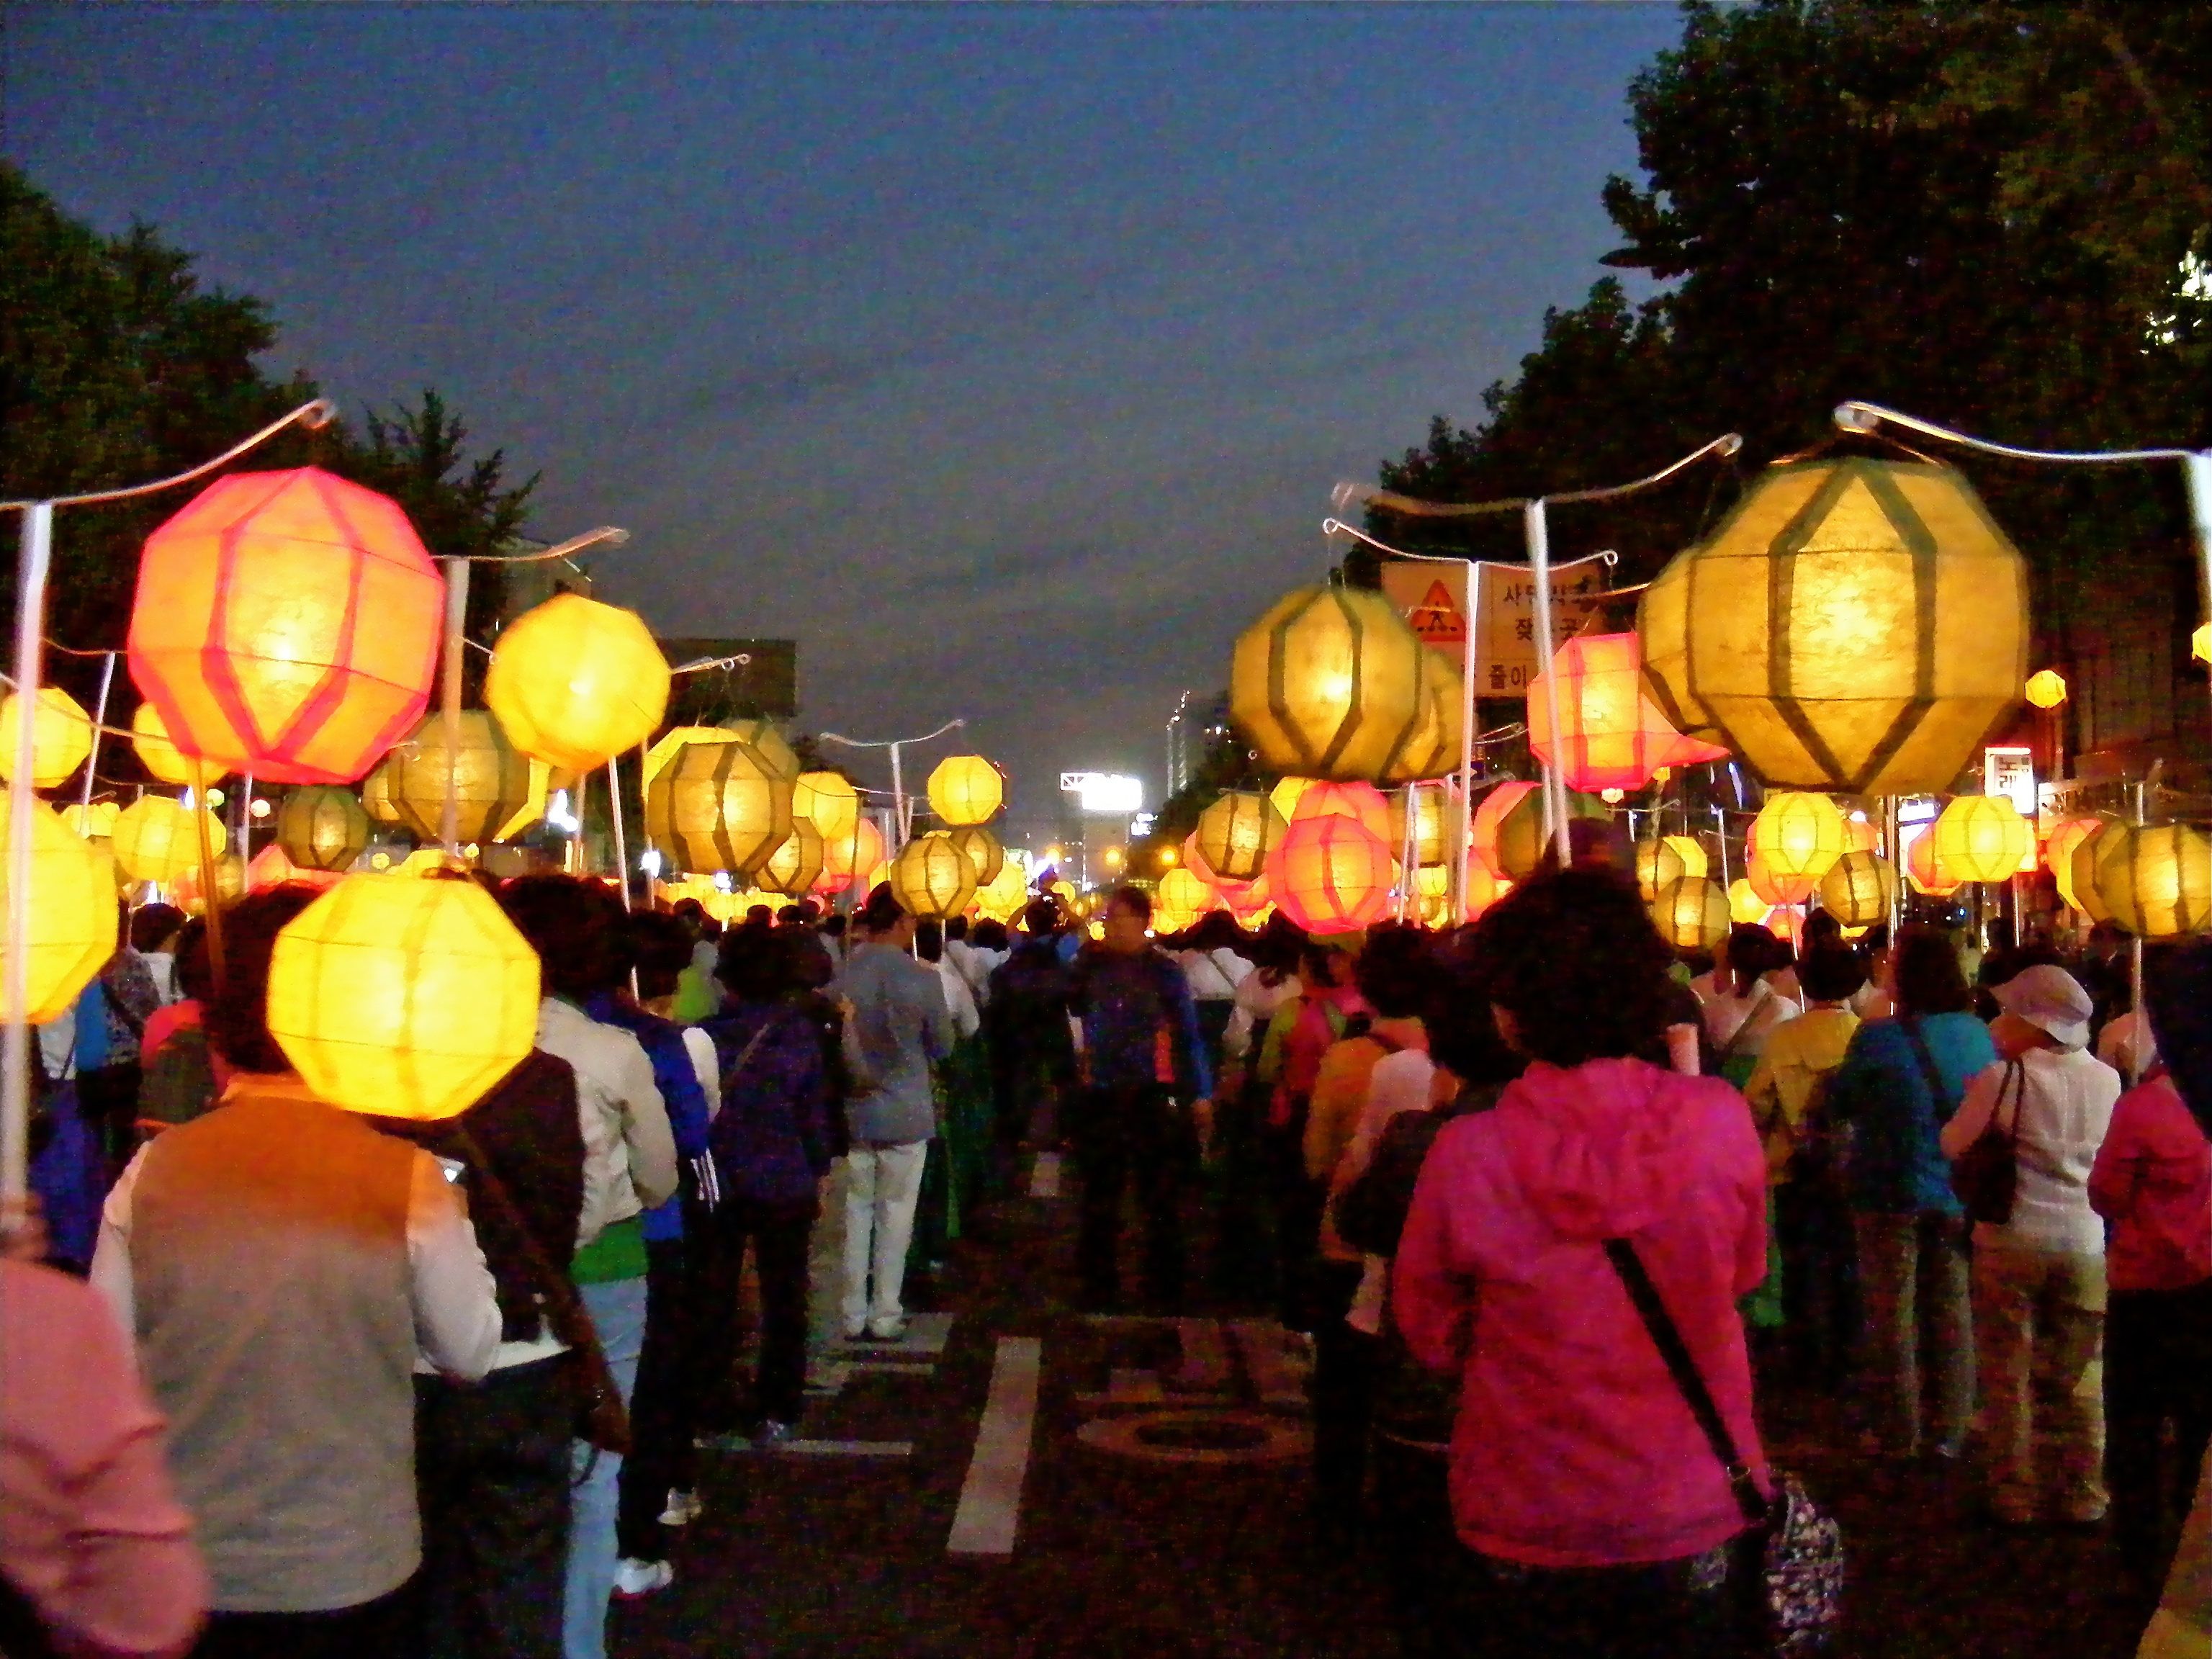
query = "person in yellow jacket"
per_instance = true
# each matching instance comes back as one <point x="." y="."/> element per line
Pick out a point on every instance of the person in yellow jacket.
<point x="1810" y="1284"/>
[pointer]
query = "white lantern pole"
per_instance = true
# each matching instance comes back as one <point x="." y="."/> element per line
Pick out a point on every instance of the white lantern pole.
<point x="902" y="813"/>
<point x="622" y="839"/>
<point x="99" y="724"/>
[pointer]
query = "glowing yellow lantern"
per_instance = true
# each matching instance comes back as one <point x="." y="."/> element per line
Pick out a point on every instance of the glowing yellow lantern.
<point x="1777" y="889"/>
<point x="665" y="745"/>
<point x="575" y="683"/>
<point x="1490" y="815"/>
<point x="1922" y="871"/>
<point x="1658" y="864"/>
<point x="1287" y="793"/>
<point x="1485" y="887"/>
<point x="1614" y="738"/>
<point x="775" y="750"/>
<point x="1331" y="874"/>
<point x="1238" y="832"/>
<point x="403" y="998"/>
<point x="1005" y="893"/>
<point x="231" y="881"/>
<point x="376" y="793"/>
<point x="931" y="877"/>
<point x="490" y="777"/>
<point x="1431" y="829"/>
<point x="1744" y="905"/>
<point x="1509" y="828"/>
<point x="966" y="789"/>
<point x="827" y="801"/>
<point x="1692" y="912"/>
<point x="1331" y="683"/>
<point x="61" y="738"/>
<point x="1181" y="899"/>
<point x="95" y="822"/>
<point x="1981" y="838"/>
<point x="1434" y="750"/>
<point x="861" y="847"/>
<point x="2155" y="882"/>
<point x="322" y="827"/>
<point x="163" y="761"/>
<point x="2065" y="839"/>
<point x="2200" y="642"/>
<point x="70" y="924"/>
<point x="2046" y="688"/>
<point x="1858" y="888"/>
<point x="983" y="851"/>
<point x="1796" y="838"/>
<point x="792" y="869"/>
<point x="155" y="839"/>
<point x="1859" y="835"/>
<point x="717" y="807"/>
<point x="1857" y="625"/>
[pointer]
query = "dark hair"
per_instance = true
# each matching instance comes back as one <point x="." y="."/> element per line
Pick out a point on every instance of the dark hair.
<point x="833" y="927"/>
<point x="1217" y="930"/>
<point x="575" y="926"/>
<point x="1135" y="900"/>
<point x="790" y="917"/>
<point x="809" y="912"/>
<point x="2177" y="993"/>
<point x="883" y="910"/>
<point x="1830" y="972"/>
<point x="1573" y="955"/>
<point x="688" y="909"/>
<point x="957" y="929"/>
<point x="1395" y="971"/>
<point x="1926" y="968"/>
<point x="660" y="951"/>
<point x="195" y="974"/>
<point x="990" y="935"/>
<point x="755" y="964"/>
<point x="1313" y="960"/>
<point x="1822" y="928"/>
<point x="236" y="1017"/>
<point x="759" y="916"/>
<point x="1462" y="1033"/>
<point x="154" y="925"/>
<point x="1751" y="952"/>
<point x="1042" y="914"/>
<point x="929" y="940"/>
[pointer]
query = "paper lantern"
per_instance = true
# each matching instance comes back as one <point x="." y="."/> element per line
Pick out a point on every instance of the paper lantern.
<point x="827" y="801"/>
<point x="1692" y="852"/>
<point x="403" y="998"/>
<point x="1489" y="814"/>
<point x="2046" y="688"/>
<point x="2200" y="642"/>
<point x="1509" y="828"/>
<point x="271" y="868"/>
<point x="861" y="848"/>
<point x="1193" y="860"/>
<point x="966" y="789"/>
<point x="775" y="750"/>
<point x="155" y="839"/>
<point x="1692" y="912"/>
<point x="491" y="778"/>
<point x="2155" y="882"/>
<point x="1238" y="833"/>
<point x="1247" y="900"/>
<point x="61" y="737"/>
<point x="1432" y="825"/>
<point x="717" y="807"/>
<point x="1776" y="890"/>
<point x="790" y="871"/>
<point x="163" y="761"/>
<point x="1435" y="749"/>
<point x="1657" y="865"/>
<point x="287" y="624"/>
<point x="1287" y="793"/>
<point x="1362" y="802"/>
<point x="1858" y="888"/>
<point x="190" y="893"/>
<point x="1004" y="895"/>
<point x="1331" y="874"/>
<point x="665" y="745"/>
<point x="1921" y="870"/>
<point x="376" y="793"/>
<point x="1795" y="837"/>
<point x="983" y="850"/>
<point x="1330" y="683"/>
<point x="1744" y="905"/>
<point x="1981" y="838"/>
<point x="1614" y="736"/>
<point x="2059" y="850"/>
<point x="1181" y="899"/>
<point x="94" y="823"/>
<point x="322" y="827"/>
<point x="70" y="923"/>
<point x="575" y="683"/>
<point x="931" y="877"/>
<point x="1485" y="887"/>
<point x="1853" y="624"/>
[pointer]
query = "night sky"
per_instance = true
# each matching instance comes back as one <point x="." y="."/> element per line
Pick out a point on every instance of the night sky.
<point x="1005" y="357"/>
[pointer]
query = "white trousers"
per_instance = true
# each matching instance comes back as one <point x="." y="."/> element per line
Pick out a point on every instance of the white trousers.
<point x="883" y="1183"/>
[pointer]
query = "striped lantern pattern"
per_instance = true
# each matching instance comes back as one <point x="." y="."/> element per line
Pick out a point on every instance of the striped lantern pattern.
<point x="1331" y="683"/>
<point x="716" y="807"/>
<point x="1238" y="833"/>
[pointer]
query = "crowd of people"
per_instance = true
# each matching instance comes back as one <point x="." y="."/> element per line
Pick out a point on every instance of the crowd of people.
<point x="347" y="1385"/>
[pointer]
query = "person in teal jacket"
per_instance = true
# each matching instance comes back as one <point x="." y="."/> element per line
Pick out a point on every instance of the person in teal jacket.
<point x="1900" y="1081"/>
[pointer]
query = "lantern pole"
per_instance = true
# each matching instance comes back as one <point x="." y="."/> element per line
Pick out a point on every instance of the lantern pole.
<point x="2136" y="962"/>
<point x="456" y="611"/>
<point x="622" y="840"/>
<point x="98" y="729"/>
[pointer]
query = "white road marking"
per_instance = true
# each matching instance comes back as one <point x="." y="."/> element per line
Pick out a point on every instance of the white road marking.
<point x="1044" y="1175"/>
<point x="845" y="1449"/>
<point x="991" y="1498"/>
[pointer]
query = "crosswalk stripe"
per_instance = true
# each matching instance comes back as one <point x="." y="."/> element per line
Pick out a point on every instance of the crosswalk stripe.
<point x="991" y="1498"/>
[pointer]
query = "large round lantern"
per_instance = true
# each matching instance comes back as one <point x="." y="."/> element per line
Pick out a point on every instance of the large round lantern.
<point x="665" y="745"/>
<point x="1773" y="889"/>
<point x="1509" y="829"/>
<point x="1237" y="833"/>
<point x="716" y="807"/>
<point x="1796" y="837"/>
<point x="1858" y="889"/>
<point x="827" y="801"/>
<point x="376" y="793"/>
<point x="1744" y="905"/>
<point x="1853" y="624"/>
<point x="70" y="922"/>
<point x="983" y="851"/>
<point x="1658" y="864"/>
<point x="1435" y="749"/>
<point x="1004" y="895"/>
<point x="1432" y="830"/>
<point x="1921" y="870"/>
<point x="2154" y="882"/>
<point x="793" y="867"/>
<point x="61" y="737"/>
<point x="576" y="683"/>
<point x="95" y="822"/>
<point x="1182" y="898"/>
<point x="1490" y="814"/>
<point x="155" y="839"/>
<point x="403" y="997"/>
<point x="286" y="625"/>
<point x="767" y="736"/>
<point x="1981" y="838"/>
<point x="2065" y="839"/>
<point x="1287" y="793"/>
<point x="859" y="848"/>
<point x="966" y="789"/>
<point x="1692" y="912"/>
<point x="163" y="761"/>
<point x="1330" y="683"/>
<point x="322" y="827"/>
<point x="931" y="877"/>
<point x="1331" y="874"/>
<point x="1361" y="801"/>
<point x="1614" y="736"/>
<point x="490" y="778"/>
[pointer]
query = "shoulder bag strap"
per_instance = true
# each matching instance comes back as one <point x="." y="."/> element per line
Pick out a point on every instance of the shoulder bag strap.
<point x="1928" y="1069"/>
<point x="1684" y="1369"/>
<point x="746" y="1052"/>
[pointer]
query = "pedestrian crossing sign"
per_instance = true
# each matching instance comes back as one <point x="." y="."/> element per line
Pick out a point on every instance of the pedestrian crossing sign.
<point x="1435" y="619"/>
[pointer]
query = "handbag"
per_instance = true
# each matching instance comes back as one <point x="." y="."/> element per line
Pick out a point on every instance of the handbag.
<point x="1798" y="1549"/>
<point x="1986" y="1177"/>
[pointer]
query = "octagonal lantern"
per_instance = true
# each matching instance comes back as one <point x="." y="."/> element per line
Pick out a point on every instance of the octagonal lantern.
<point x="1773" y="889"/>
<point x="859" y="848"/>
<point x="1921" y="871"/>
<point x="1004" y="895"/>
<point x="1612" y="736"/>
<point x="1509" y="827"/>
<point x="2046" y="688"/>
<point x="2059" y="850"/>
<point x="793" y="867"/>
<point x="1361" y="801"/>
<point x="1432" y="825"/>
<point x="163" y="761"/>
<point x="1744" y="905"/>
<point x="768" y="741"/>
<point x="2156" y="882"/>
<point x="575" y="683"/>
<point x="1330" y="683"/>
<point x="1858" y="888"/>
<point x="61" y="738"/>
<point x="69" y="921"/>
<point x="931" y="877"/>
<point x="286" y="625"/>
<point x="95" y="822"/>
<point x="665" y="745"/>
<point x="983" y="851"/>
<point x="1981" y="838"/>
<point x="1797" y="836"/>
<point x="322" y="827"/>
<point x="1331" y="874"/>
<point x="490" y="778"/>
<point x="1181" y="899"/>
<point x="1658" y="864"/>
<point x="827" y="801"/>
<point x="156" y="839"/>
<point x="1692" y="912"/>
<point x="965" y="790"/>
<point x="717" y="807"/>
<point x="1853" y="624"/>
<point x="1236" y="834"/>
<point x="1434" y="750"/>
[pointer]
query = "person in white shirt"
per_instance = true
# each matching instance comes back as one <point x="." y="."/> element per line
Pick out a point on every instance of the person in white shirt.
<point x="2040" y="1275"/>
<point x="1742" y="1006"/>
<point x="933" y="946"/>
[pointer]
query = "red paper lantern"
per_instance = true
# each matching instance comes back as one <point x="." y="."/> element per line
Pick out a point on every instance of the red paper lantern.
<point x="1363" y="803"/>
<point x="1615" y="736"/>
<point x="1331" y="874"/>
<point x="287" y="624"/>
<point x="1920" y="868"/>
<point x="1489" y="816"/>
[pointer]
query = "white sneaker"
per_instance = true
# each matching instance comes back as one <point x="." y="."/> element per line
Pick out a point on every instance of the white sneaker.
<point x="682" y="1509"/>
<point x="887" y="1330"/>
<point x="634" y="1579"/>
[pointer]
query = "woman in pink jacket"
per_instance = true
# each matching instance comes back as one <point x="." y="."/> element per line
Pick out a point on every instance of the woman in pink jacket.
<point x="1596" y="1516"/>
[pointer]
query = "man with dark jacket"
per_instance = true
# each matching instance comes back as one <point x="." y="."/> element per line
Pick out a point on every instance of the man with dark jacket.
<point x="1025" y="1030"/>
<point x="1142" y="1066"/>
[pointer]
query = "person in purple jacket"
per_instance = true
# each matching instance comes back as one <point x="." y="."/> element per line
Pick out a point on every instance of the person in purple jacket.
<point x="771" y="1144"/>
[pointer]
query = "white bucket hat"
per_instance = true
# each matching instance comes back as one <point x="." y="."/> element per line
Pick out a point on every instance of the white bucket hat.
<point x="2051" y="999"/>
